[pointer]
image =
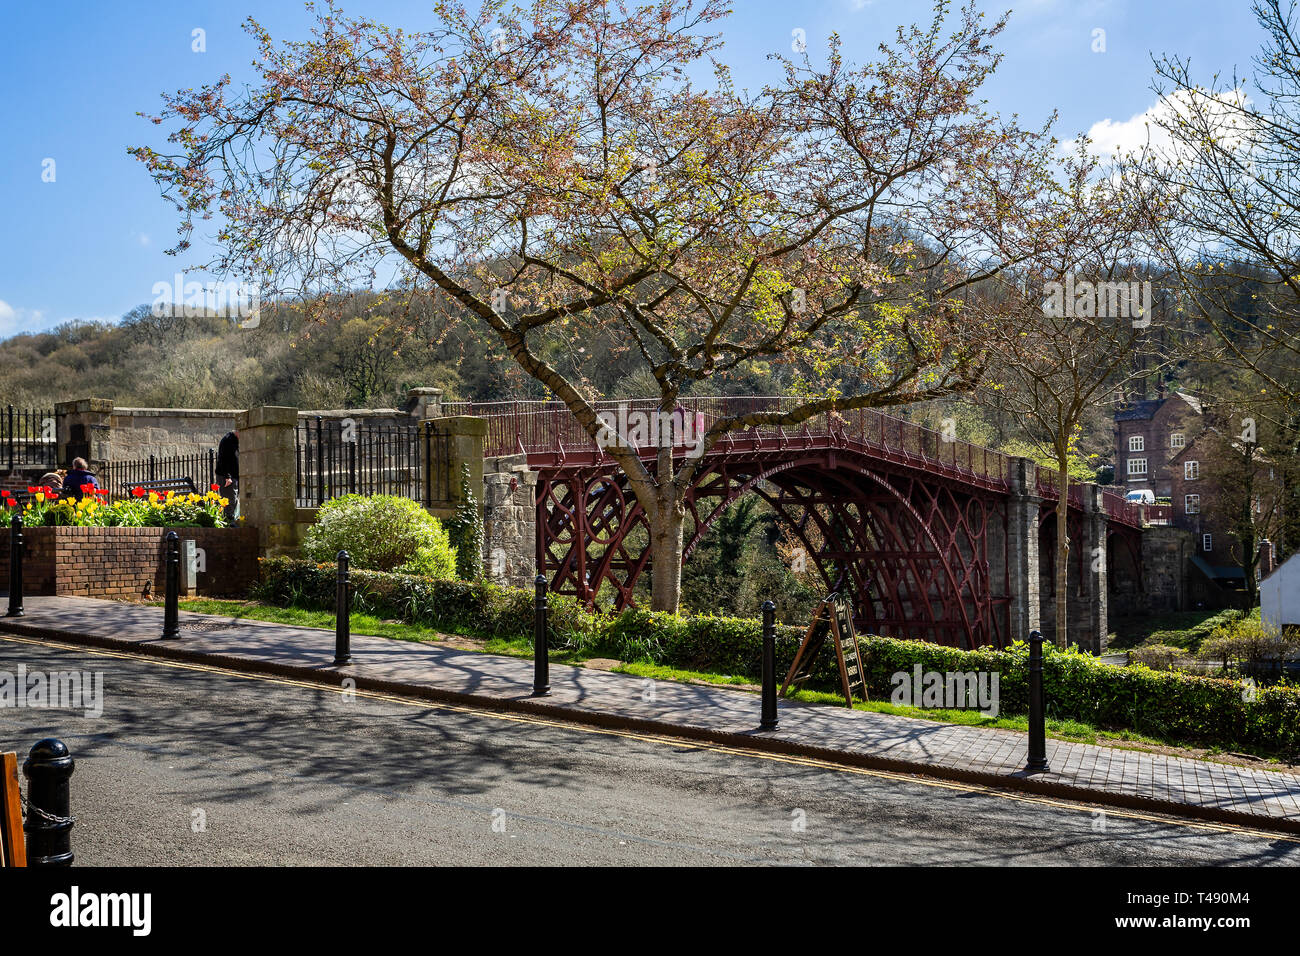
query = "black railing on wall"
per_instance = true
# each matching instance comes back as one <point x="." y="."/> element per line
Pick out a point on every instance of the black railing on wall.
<point x="120" y="477"/>
<point x="27" y="437"/>
<point x="340" y="456"/>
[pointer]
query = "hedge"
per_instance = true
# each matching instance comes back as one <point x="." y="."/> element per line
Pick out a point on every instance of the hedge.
<point x="1077" y="686"/>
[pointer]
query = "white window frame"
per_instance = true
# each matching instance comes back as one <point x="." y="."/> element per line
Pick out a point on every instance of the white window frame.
<point x="1207" y="542"/>
<point x="1137" y="466"/>
<point x="1191" y="471"/>
<point x="1177" y="440"/>
<point x="1191" y="504"/>
<point x="1137" y="443"/>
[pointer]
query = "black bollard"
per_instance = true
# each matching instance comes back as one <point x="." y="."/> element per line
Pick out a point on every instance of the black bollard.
<point x="15" y="566"/>
<point x="171" y="599"/>
<point x="541" y="663"/>
<point x="769" y="721"/>
<point x="48" y="768"/>
<point x="342" y="612"/>
<point x="1037" y="718"/>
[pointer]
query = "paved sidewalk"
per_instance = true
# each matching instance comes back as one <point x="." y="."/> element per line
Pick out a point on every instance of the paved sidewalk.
<point x="1268" y="799"/>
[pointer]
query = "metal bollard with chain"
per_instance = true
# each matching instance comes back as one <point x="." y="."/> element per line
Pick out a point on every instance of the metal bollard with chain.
<point x="48" y="769"/>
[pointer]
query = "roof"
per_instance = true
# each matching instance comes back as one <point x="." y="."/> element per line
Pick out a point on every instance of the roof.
<point x="1146" y="408"/>
<point x="1218" y="572"/>
<point x="1291" y="565"/>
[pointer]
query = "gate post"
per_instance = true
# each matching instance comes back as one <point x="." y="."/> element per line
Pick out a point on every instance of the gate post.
<point x="268" y="474"/>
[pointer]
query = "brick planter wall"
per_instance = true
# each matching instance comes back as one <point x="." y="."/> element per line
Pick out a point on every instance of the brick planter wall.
<point x="121" y="562"/>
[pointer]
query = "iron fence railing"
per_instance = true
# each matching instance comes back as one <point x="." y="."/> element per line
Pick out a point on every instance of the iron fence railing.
<point x="27" y="437"/>
<point x="119" y="477"/>
<point x="339" y="456"/>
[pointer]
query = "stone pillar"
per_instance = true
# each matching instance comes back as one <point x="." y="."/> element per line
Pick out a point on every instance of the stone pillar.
<point x="83" y="429"/>
<point x="455" y="442"/>
<point x="1165" y="553"/>
<point x="268" y="477"/>
<point x="510" y="526"/>
<point x="424" y="403"/>
<point x="1021" y="549"/>
<point x="1089" y="609"/>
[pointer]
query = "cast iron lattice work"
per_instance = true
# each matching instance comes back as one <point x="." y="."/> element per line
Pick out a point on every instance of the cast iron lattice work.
<point x="914" y="526"/>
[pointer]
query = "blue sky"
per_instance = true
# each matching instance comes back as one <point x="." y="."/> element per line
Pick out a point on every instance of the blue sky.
<point x="89" y="244"/>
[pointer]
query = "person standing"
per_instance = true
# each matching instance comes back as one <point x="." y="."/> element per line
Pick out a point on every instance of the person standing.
<point x="227" y="469"/>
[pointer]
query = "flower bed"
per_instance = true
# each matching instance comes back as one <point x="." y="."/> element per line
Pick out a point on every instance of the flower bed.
<point x="144" y="509"/>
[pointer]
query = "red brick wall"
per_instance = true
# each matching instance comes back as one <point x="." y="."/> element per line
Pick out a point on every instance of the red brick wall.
<point x="120" y="562"/>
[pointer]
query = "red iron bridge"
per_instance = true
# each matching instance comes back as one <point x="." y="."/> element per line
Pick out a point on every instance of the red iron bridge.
<point x="933" y="538"/>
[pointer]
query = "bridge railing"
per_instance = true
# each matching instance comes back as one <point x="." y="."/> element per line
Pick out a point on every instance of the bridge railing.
<point x="538" y="427"/>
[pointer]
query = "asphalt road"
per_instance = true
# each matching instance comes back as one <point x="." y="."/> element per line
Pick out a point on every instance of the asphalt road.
<point x="194" y="766"/>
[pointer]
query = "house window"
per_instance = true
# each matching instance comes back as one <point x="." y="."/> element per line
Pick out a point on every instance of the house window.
<point x="1176" y="440"/>
<point x="1137" y="443"/>
<point x="1137" y="466"/>
<point x="1191" y="470"/>
<point x="1192" y="504"/>
<point x="1207" y="542"/>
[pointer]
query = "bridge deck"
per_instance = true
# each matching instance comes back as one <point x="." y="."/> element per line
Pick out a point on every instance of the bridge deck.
<point x="551" y="437"/>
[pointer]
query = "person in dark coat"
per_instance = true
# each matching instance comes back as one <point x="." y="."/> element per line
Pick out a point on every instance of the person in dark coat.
<point x="77" y="476"/>
<point x="227" y="469"/>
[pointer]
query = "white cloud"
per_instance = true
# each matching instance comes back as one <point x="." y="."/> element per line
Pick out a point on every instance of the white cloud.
<point x="1144" y="129"/>
<point x="14" y="321"/>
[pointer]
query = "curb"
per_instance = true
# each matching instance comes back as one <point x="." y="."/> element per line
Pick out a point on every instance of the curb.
<point x="326" y="675"/>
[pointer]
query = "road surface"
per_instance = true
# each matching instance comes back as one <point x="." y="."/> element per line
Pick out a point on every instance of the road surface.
<point x="190" y="765"/>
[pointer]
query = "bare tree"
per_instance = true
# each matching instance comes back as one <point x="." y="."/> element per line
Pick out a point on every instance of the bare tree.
<point x="561" y="181"/>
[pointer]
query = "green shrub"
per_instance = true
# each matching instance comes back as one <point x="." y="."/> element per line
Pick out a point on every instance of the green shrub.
<point x="381" y="533"/>
<point x="1077" y="686"/>
<point x="1158" y="657"/>
<point x="465" y="529"/>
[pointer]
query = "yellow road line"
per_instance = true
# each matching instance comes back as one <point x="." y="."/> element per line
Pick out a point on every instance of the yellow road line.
<point x="795" y="760"/>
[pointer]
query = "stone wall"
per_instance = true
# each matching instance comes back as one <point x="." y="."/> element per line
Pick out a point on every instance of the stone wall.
<point x="510" y="522"/>
<point x="127" y="563"/>
<point x="166" y="432"/>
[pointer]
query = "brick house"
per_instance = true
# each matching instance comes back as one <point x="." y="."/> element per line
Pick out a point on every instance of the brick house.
<point x="1196" y="484"/>
<point x="1148" y="434"/>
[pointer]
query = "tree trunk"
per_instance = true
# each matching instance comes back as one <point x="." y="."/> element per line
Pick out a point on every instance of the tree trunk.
<point x="1062" y="553"/>
<point x="666" y="553"/>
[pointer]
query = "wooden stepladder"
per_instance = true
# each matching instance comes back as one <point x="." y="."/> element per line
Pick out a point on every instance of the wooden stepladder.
<point x="13" y="849"/>
<point x="839" y="618"/>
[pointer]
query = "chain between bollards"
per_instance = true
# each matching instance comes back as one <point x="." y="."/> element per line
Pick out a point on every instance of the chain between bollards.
<point x="171" y="609"/>
<point x="48" y="769"/>
<point x="769" y="720"/>
<point x="342" y="612"/>
<point x="15" y="566"/>
<point x="541" y="663"/>
<point x="1037" y="717"/>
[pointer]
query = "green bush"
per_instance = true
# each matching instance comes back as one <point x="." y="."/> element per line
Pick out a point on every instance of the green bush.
<point x="1077" y="686"/>
<point x="381" y="533"/>
<point x="1158" y="657"/>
